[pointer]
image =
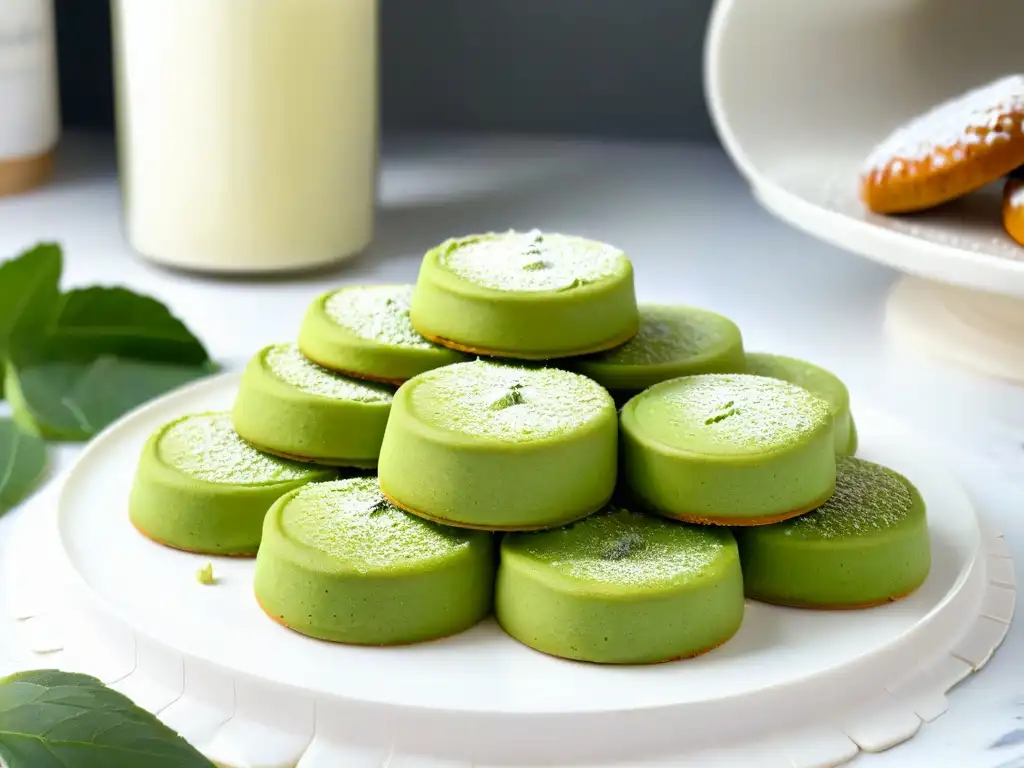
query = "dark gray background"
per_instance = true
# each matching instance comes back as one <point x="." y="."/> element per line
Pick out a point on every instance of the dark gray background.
<point x="618" y="68"/>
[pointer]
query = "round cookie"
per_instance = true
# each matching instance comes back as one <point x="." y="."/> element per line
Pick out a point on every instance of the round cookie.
<point x="672" y="342"/>
<point x="621" y="588"/>
<point x="955" y="148"/>
<point x="291" y="407"/>
<point x="867" y="545"/>
<point x="199" y="487"/>
<point x="339" y="563"/>
<point x="818" y="382"/>
<point x="364" y="331"/>
<point x="526" y="295"/>
<point x="498" y="447"/>
<point x="728" y="449"/>
<point x="1013" y="207"/>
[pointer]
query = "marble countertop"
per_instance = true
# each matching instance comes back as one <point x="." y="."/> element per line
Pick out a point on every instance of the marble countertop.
<point x="695" y="235"/>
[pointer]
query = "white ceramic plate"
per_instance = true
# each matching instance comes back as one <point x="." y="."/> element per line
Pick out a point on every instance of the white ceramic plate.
<point x="484" y="698"/>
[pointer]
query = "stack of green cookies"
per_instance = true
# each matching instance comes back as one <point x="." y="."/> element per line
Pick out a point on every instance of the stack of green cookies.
<point x="610" y="479"/>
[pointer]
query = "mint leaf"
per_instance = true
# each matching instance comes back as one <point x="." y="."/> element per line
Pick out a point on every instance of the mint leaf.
<point x="108" y="351"/>
<point x="115" y="321"/>
<point x="29" y="291"/>
<point x="57" y="720"/>
<point x="60" y="393"/>
<point x="22" y="464"/>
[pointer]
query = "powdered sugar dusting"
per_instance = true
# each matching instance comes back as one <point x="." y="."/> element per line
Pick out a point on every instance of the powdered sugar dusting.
<point x="532" y="261"/>
<point x="377" y="313"/>
<point x="625" y="548"/>
<point x="206" y="447"/>
<point x="289" y="365"/>
<point x="988" y="115"/>
<point x="869" y="499"/>
<point x="670" y="335"/>
<point x="732" y="413"/>
<point x="351" y="519"/>
<point x="508" y="403"/>
<point x="813" y="378"/>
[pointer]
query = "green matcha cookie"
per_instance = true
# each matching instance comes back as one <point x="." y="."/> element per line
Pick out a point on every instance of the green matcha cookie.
<point x="672" y="342"/>
<point x="339" y="563"/>
<point x="526" y="295"/>
<point x="498" y="447"/>
<point x="621" y="588"/>
<point x="364" y="331"/>
<point x="818" y="382"/>
<point x="201" y="488"/>
<point x="865" y="546"/>
<point x="292" y="407"/>
<point x="728" y="449"/>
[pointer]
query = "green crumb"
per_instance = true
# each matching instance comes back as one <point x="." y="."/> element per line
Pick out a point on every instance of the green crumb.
<point x="205" y="575"/>
<point x="624" y="546"/>
<point x="724" y="412"/>
<point x="514" y="396"/>
<point x="721" y="416"/>
<point x="536" y="266"/>
<point x="534" y="250"/>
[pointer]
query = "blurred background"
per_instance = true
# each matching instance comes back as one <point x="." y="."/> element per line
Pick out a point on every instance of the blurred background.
<point x="580" y="67"/>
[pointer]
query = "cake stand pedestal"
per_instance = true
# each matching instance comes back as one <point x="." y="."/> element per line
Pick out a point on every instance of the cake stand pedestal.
<point x="980" y="331"/>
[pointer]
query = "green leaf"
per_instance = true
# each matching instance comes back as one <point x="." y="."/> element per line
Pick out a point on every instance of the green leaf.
<point x="58" y="720"/>
<point x="109" y="351"/>
<point x="29" y="292"/>
<point x="115" y="321"/>
<point x="22" y="464"/>
<point x="60" y="393"/>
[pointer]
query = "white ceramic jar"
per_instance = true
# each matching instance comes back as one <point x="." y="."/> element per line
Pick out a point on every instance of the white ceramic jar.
<point x="29" y="108"/>
<point x="248" y="130"/>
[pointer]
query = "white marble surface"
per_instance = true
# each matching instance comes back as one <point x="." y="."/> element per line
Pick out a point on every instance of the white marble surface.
<point x="695" y="236"/>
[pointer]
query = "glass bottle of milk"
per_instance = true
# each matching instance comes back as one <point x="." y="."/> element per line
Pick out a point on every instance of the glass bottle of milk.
<point x="247" y="130"/>
<point x="29" y="110"/>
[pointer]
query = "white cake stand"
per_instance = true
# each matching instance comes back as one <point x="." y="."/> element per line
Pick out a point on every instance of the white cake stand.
<point x="801" y="90"/>
<point x="794" y="689"/>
